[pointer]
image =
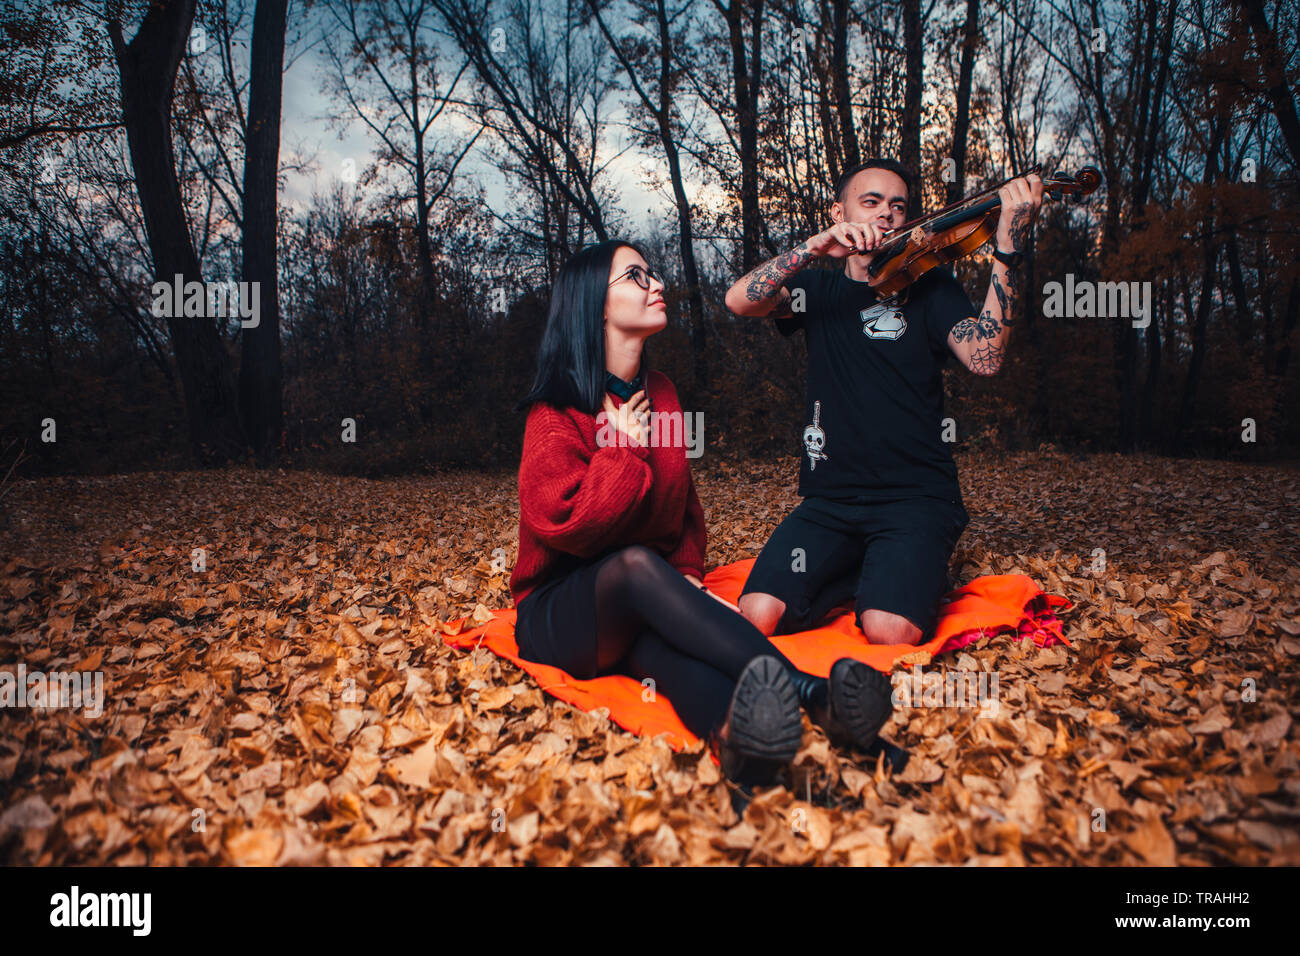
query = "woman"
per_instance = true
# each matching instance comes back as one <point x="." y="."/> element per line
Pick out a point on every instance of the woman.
<point x="612" y="539"/>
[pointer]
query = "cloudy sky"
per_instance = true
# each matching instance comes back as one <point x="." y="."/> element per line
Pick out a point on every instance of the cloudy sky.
<point x="307" y="133"/>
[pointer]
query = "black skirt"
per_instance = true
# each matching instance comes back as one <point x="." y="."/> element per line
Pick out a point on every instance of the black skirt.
<point x="556" y="622"/>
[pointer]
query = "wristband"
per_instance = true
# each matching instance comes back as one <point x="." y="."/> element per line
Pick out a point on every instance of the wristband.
<point x="1011" y="260"/>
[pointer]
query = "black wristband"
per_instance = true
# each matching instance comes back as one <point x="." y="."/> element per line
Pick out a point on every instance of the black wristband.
<point x="1011" y="260"/>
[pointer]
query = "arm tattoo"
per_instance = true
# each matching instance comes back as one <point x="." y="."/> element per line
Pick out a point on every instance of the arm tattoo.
<point x="985" y="354"/>
<point x="764" y="281"/>
<point x="781" y="309"/>
<point x="986" y="360"/>
<point x="1020" y="223"/>
<point x="985" y="327"/>
<point x="1006" y="296"/>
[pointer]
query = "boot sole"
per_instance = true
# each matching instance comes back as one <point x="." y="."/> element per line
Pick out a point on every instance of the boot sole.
<point x="766" y="725"/>
<point x="861" y="701"/>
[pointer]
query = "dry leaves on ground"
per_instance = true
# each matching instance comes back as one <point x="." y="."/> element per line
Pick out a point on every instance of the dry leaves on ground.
<point x="292" y="702"/>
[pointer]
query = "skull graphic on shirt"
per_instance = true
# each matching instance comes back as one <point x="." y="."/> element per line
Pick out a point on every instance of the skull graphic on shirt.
<point x="814" y="439"/>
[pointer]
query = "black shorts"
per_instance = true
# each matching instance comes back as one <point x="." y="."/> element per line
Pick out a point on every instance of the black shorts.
<point x="884" y="555"/>
<point x="555" y="623"/>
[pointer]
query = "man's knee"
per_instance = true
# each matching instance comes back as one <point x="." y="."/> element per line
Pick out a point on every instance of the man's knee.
<point x="762" y="610"/>
<point x="882" y="627"/>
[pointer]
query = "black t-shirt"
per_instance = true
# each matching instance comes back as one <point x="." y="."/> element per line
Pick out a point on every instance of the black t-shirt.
<point x="874" y="408"/>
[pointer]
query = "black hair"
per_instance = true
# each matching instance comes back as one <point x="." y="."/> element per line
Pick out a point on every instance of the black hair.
<point x="571" y="357"/>
<point x="892" y="165"/>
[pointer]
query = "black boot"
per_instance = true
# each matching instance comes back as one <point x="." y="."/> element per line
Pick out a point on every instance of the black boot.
<point x="763" y="728"/>
<point x="851" y="706"/>
<point x="814" y="694"/>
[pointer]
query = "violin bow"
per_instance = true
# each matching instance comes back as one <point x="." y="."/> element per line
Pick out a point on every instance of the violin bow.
<point x="906" y="228"/>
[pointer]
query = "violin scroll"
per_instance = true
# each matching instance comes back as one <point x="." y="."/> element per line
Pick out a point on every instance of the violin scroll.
<point x="1083" y="183"/>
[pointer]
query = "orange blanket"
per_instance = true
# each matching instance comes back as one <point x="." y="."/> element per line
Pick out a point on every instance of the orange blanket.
<point x="989" y="605"/>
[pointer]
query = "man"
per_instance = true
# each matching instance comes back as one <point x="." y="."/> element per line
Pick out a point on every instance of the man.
<point x="882" y="508"/>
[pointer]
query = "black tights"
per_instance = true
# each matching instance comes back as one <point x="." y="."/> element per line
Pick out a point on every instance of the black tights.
<point x="653" y="623"/>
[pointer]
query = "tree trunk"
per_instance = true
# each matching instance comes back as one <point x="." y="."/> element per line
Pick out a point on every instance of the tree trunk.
<point x="685" y="234"/>
<point x="425" y="321"/>
<point x="840" y="84"/>
<point x="1150" y="125"/>
<point x="962" y="124"/>
<point x="1152" y="383"/>
<point x="910" y="133"/>
<point x="44" y="308"/>
<point x="1198" y="338"/>
<point x="746" y="71"/>
<point x="1289" y="316"/>
<point x="147" y="67"/>
<point x="259" y="370"/>
<point x="1218" y="128"/>
<point x="1237" y="281"/>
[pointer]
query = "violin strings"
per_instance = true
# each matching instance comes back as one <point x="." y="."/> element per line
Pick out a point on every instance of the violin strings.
<point x="902" y="232"/>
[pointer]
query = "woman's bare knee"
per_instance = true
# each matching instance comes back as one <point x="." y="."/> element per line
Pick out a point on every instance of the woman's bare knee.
<point x="762" y="610"/>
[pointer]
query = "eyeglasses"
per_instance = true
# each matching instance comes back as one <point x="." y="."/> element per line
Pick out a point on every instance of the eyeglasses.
<point x="641" y="276"/>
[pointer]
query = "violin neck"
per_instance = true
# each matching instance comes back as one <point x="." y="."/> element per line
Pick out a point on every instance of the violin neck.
<point x="964" y="215"/>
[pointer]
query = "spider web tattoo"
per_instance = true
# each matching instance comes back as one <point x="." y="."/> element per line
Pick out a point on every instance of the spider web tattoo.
<point x="985" y="360"/>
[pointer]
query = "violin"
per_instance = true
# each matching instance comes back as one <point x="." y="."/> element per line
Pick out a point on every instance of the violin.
<point x="958" y="229"/>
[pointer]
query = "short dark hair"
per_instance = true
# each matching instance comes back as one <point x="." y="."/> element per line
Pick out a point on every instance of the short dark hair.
<point x="571" y="357"/>
<point x="892" y="165"/>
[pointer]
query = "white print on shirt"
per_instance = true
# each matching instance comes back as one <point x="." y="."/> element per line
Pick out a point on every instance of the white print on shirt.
<point x="884" y="320"/>
<point x="814" y="438"/>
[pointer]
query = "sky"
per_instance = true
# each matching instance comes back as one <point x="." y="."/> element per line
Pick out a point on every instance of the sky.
<point x="305" y="131"/>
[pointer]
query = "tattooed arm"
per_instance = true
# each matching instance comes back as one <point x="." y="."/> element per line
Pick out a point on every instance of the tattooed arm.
<point x="763" y="294"/>
<point x="981" y="343"/>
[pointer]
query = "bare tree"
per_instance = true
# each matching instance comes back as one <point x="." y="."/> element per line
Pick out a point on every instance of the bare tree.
<point x="652" y="72"/>
<point x="543" y="88"/>
<point x="391" y="46"/>
<point x="1273" y="68"/>
<point x="909" y="152"/>
<point x="742" y="22"/>
<point x="147" y="66"/>
<point x="260" y="400"/>
<point x="961" y="126"/>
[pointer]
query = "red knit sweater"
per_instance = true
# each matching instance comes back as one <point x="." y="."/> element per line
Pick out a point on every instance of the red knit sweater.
<point x="581" y="499"/>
